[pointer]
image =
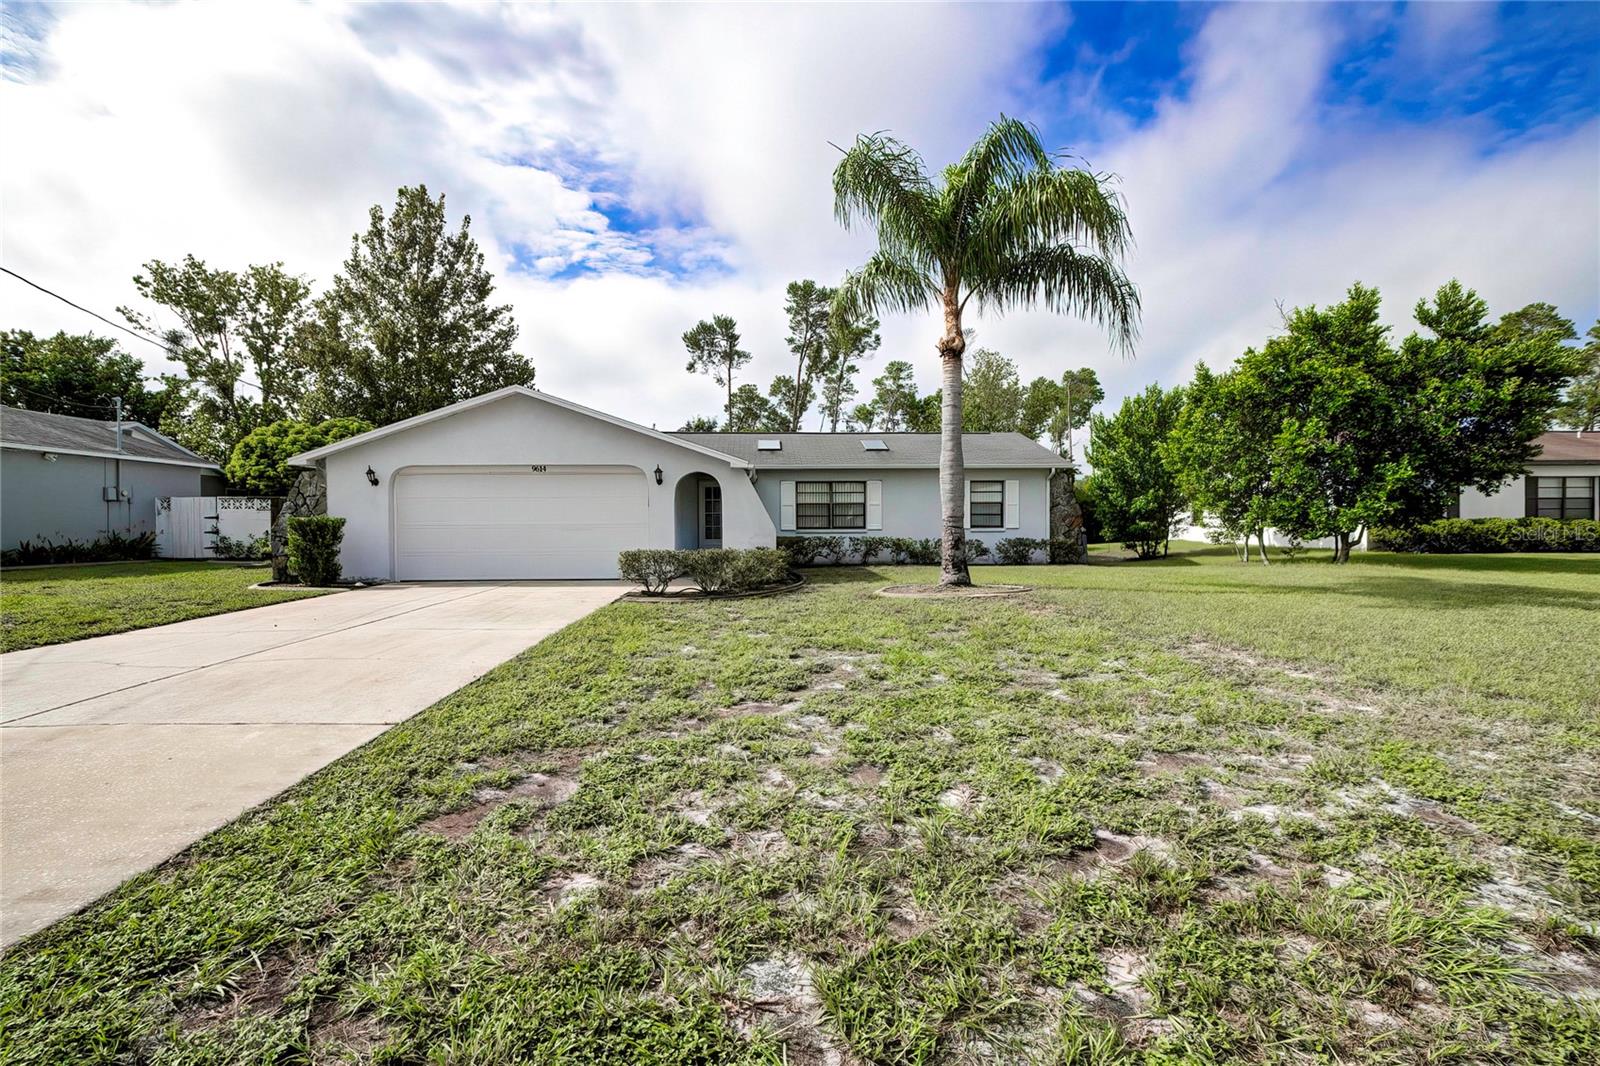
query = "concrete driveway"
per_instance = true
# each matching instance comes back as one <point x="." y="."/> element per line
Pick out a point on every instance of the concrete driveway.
<point x="118" y="752"/>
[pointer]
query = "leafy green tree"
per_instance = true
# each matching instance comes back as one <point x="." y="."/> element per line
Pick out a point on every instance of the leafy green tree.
<point x="1006" y="226"/>
<point x="1138" y="499"/>
<point x="1220" y="451"/>
<point x="851" y="337"/>
<point x="76" y="374"/>
<point x="409" y="325"/>
<point x="1330" y="384"/>
<point x="260" y="461"/>
<point x="1474" y="396"/>
<point x="926" y="414"/>
<point x="1079" y="392"/>
<point x="714" y="350"/>
<point x="894" y="397"/>
<point x="863" y="418"/>
<point x="1580" y="406"/>
<point x="1535" y="320"/>
<point x="275" y="324"/>
<point x="752" y="412"/>
<point x="207" y="304"/>
<point x="991" y="394"/>
<point x="807" y="306"/>
<point x="786" y="399"/>
<point x="700" y="424"/>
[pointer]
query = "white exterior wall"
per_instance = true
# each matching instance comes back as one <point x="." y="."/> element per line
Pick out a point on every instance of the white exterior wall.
<point x="522" y="430"/>
<point x="1510" y="500"/>
<point x="911" y="501"/>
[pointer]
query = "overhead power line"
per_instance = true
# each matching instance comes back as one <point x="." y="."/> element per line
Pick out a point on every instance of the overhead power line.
<point x="147" y="338"/>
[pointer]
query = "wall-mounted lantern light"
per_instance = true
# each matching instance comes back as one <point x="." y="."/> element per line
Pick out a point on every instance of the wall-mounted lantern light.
<point x="658" y="475"/>
<point x="372" y="477"/>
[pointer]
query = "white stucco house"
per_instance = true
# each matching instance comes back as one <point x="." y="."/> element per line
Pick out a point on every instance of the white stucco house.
<point x="1562" y="481"/>
<point x="522" y="484"/>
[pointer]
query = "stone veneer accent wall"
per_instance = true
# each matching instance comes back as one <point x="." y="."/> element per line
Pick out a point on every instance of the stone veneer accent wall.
<point x="308" y="496"/>
<point x="1066" y="517"/>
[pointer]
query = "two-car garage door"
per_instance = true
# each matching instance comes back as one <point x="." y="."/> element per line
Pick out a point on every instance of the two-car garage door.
<point x="474" y="523"/>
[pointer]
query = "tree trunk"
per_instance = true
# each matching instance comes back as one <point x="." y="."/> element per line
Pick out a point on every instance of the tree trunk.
<point x="1261" y="538"/>
<point x="1341" y="547"/>
<point x="952" y="466"/>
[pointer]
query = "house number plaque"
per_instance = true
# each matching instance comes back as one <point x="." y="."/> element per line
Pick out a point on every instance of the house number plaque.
<point x="540" y="468"/>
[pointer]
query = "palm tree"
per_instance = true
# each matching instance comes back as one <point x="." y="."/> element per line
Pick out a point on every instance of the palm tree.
<point x="1008" y="226"/>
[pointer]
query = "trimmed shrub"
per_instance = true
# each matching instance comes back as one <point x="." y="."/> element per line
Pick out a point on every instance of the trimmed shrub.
<point x="812" y="551"/>
<point x="314" y="548"/>
<point x="755" y="568"/>
<point x="923" y="552"/>
<point x="1017" y="551"/>
<point x="837" y="549"/>
<point x="111" y="547"/>
<point x="653" y="568"/>
<point x="976" y="550"/>
<point x="249" y="548"/>
<point x="867" y="549"/>
<point x="713" y="570"/>
<point x="1458" y="535"/>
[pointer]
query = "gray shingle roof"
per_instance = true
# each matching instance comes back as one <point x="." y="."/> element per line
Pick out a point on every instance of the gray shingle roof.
<point x="844" y="450"/>
<point x="67" y="433"/>
<point x="1567" y="446"/>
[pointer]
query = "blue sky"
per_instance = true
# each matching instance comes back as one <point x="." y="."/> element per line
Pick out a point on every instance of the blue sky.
<point x="632" y="170"/>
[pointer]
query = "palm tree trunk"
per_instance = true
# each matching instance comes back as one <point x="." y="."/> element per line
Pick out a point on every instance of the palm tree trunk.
<point x="952" y="466"/>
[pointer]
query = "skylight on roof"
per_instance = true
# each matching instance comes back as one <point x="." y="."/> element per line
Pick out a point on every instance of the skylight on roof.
<point x="874" y="445"/>
<point x="769" y="445"/>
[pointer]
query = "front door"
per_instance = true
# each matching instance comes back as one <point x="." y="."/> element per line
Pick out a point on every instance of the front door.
<point x="710" y="515"/>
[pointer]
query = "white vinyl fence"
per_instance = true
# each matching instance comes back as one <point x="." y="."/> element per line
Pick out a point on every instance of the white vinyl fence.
<point x="187" y="527"/>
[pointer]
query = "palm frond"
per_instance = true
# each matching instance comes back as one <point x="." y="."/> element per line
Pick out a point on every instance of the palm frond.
<point x="885" y="283"/>
<point x="1061" y="277"/>
<point x="1056" y="206"/>
<point x="1008" y="150"/>
<point x="883" y="182"/>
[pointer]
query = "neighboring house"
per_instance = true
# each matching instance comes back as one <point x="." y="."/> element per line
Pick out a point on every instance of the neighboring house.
<point x="63" y="477"/>
<point x="520" y="484"/>
<point x="1562" y="481"/>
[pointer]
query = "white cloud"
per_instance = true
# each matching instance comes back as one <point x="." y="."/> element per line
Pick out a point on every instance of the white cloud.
<point x="246" y="133"/>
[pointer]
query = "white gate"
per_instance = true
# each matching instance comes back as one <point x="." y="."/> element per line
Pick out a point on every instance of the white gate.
<point x="187" y="527"/>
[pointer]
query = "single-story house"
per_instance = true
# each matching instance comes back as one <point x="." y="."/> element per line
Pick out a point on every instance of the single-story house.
<point x="522" y="484"/>
<point x="63" y="477"/>
<point x="1562" y="481"/>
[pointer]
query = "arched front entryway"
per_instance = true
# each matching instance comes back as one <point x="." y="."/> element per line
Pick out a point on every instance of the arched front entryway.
<point x="697" y="511"/>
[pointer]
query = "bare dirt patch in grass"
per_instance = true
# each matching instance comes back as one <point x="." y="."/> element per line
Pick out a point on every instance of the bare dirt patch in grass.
<point x="783" y="1000"/>
<point x="537" y="790"/>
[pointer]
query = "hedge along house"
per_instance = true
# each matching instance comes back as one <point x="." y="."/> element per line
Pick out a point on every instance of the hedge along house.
<point x="519" y="484"/>
<point x="1562" y="481"/>
<point x="63" y="477"/>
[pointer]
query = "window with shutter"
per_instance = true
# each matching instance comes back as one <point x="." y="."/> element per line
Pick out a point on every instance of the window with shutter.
<point x="988" y="505"/>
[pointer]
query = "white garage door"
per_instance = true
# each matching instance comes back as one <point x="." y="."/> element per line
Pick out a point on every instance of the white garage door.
<point x="465" y="523"/>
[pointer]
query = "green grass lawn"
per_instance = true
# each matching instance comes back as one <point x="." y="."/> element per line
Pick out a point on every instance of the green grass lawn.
<point x="1177" y="812"/>
<point x="50" y="605"/>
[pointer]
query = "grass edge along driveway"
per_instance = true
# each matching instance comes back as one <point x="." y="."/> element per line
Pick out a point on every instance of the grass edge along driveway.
<point x="56" y="604"/>
<point x="1108" y="821"/>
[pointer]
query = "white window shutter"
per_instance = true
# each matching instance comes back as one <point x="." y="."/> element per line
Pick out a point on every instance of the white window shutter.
<point x="786" y="505"/>
<point x="874" y="505"/>
<point x="1013" y="504"/>
<point x="967" y="507"/>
